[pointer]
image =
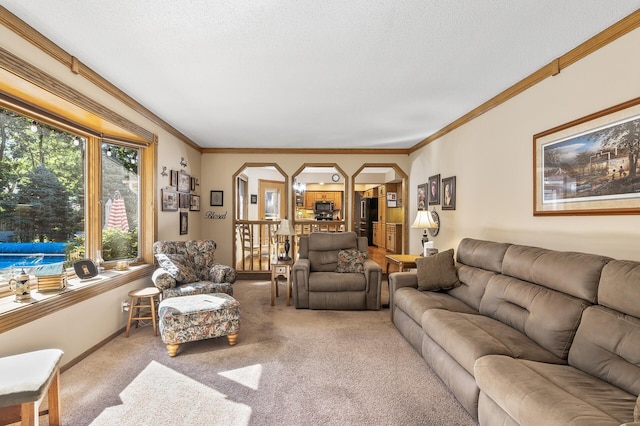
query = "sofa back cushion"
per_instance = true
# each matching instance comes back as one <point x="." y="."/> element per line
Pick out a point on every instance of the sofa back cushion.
<point x="485" y="255"/>
<point x="607" y="341"/>
<point x="548" y="317"/>
<point x="323" y="249"/>
<point x="199" y="253"/>
<point x="577" y="274"/>
<point x="477" y="261"/>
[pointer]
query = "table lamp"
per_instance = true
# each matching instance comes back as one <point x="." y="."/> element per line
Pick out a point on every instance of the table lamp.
<point x="286" y="230"/>
<point x="425" y="220"/>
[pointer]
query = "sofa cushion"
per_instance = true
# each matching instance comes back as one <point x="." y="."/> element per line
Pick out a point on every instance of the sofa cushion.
<point x="486" y="255"/>
<point x="350" y="261"/>
<point x="546" y="394"/>
<point x="619" y="287"/>
<point x="336" y="282"/>
<point x="467" y="337"/>
<point x="548" y="317"/>
<point x="437" y="272"/>
<point x="178" y="266"/>
<point x="577" y="274"/>
<point x="414" y="302"/>
<point x="606" y="346"/>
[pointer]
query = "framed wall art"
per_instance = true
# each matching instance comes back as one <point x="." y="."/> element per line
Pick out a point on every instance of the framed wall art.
<point x="449" y="193"/>
<point x="422" y="196"/>
<point x="169" y="200"/>
<point x="184" y="182"/>
<point x="195" y="203"/>
<point x="216" y="198"/>
<point x="173" y="180"/>
<point x="590" y="165"/>
<point x="434" y="190"/>
<point x="254" y="198"/>
<point x="185" y="200"/>
<point x="184" y="223"/>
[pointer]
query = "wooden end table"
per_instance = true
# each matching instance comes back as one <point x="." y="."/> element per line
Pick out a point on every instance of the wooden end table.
<point x="401" y="261"/>
<point x="280" y="268"/>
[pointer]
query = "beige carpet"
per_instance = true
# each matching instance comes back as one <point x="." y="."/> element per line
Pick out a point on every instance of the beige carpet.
<point x="290" y="367"/>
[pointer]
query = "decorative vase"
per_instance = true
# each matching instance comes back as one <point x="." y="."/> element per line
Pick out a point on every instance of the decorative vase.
<point x="99" y="261"/>
<point x="20" y="285"/>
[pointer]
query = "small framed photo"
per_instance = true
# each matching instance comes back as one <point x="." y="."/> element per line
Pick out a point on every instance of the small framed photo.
<point x="434" y="190"/>
<point x="193" y="184"/>
<point x="254" y="198"/>
<point x="216" y="198"/>
<point x="185" y="200"/>
<point x="449" y="193"/>
<point x="422" y="196"/>
<point x="184" y="223"/>
<point x="173" y="179"/>
<point x="169" y="200"/>
<point x="195" y="203"/>
<point x="184" y="182"/>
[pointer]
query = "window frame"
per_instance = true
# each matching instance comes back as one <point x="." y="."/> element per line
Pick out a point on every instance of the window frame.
<point x="143" y="265"/>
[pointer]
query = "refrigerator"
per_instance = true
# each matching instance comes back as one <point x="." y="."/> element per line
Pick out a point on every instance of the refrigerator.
<point x="368" y="215"/>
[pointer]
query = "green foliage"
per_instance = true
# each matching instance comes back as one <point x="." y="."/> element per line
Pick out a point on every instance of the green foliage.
<point x="117" y="244"/>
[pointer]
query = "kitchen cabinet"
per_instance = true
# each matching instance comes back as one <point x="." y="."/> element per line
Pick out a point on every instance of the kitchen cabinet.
<point x="394" y="237"/>
<point x="310" y="197"/>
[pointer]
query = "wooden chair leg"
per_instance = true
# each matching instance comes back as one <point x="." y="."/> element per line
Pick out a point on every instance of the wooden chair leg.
<point x="172" y="349"/>
<point x="130" y="316"/>
<point x="54" y="400"/>
<point x="232" y="338"/>
<point x="152" y="302"/>
<point x="30" y="414"/>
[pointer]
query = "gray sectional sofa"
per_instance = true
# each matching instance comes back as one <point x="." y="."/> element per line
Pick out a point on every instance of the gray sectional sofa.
<point x="530" y="336"/>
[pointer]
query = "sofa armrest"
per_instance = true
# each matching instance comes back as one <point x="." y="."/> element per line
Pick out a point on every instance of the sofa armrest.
<point x="300" y="282"/>
<point x="398" y="280"/>
<point x="162" y="279"/>
<point x="220" y="273"/>
<point x="373" y="277"/>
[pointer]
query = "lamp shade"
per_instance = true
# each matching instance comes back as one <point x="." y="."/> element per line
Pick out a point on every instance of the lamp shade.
<point x="424" y="220"/>
<point x="285" y="228"/>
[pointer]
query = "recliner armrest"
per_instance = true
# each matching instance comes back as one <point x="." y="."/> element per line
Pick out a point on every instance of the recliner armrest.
<point x="162" y="279"/>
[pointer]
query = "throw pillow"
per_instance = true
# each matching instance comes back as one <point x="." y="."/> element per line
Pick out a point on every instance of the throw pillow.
<point x="437" y="272"/>
<point x="178" y="266"/>
<point x="350" y="260"/>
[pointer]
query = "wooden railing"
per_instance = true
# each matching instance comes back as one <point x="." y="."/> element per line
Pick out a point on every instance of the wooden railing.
<point x="255" y="245"/>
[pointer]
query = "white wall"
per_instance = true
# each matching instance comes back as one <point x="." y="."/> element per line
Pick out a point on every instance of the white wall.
<point x="492" y="159"/>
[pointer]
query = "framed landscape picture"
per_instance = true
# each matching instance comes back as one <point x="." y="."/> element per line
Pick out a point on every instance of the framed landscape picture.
<point x="589" y="166"/>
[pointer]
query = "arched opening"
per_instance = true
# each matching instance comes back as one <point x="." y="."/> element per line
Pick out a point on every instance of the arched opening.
<point x="260" y="203"/>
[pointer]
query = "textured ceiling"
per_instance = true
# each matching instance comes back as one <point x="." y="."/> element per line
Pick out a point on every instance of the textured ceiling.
<point x="316" y="74"/>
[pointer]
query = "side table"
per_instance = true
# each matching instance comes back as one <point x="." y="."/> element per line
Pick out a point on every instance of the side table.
<point x="280" y="268"/>
<point x="401" y="261"/>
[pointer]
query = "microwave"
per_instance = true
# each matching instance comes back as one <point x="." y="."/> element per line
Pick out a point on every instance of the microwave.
<point x="323" y="207"/>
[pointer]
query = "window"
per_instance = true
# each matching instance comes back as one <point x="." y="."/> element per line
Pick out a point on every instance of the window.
<point x="46" y="176"/>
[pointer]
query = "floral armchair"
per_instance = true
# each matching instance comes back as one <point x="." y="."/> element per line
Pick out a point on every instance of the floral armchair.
<point x="189" y="267"/>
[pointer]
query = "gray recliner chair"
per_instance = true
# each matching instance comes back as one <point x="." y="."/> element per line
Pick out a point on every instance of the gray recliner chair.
<point x="325" y="275"/>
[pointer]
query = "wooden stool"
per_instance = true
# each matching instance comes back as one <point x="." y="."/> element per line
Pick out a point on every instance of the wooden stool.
<point x="136" y="301"/>
<point x="26" y="377"/>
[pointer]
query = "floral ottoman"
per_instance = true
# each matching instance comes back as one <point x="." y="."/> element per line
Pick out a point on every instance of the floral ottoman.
<point x="198" y="317"/>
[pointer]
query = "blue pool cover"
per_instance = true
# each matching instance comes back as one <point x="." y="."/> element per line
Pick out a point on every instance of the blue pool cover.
<point x="30" y="248"/>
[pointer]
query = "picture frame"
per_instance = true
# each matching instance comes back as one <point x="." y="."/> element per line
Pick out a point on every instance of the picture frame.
<point x="254" y="198"/>
<point x="185" y="200"/>
<point x="433" y="190"/>
<point x="173" y="180"/>
<point x="184" y="182"/>
<point x="194" y="205"/>
<point x="589" y="166"/>
<point x="422" y="196"/>
<point x="217" y="198"/>
<point x="449" y="193"/>
<point x="392" y="199"/>
<point x="184" y="223"/>
<point x="170" y="200"/>
<point x="193" y="183"/>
